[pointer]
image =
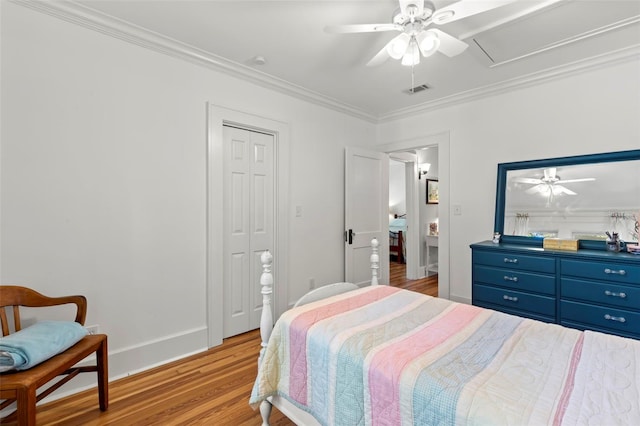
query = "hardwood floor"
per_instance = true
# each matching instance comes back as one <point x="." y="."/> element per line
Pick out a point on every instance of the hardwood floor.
<point x="211" y="388"/>
<point x="397" y="278"/>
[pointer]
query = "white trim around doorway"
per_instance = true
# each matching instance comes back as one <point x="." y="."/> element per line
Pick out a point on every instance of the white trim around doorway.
<point x="217" y="117"/>
<point x="444" y="167"/>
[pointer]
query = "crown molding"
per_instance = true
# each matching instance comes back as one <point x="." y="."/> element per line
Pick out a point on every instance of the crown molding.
<point x="554" y="73"/>
<point x="123" y="30"/>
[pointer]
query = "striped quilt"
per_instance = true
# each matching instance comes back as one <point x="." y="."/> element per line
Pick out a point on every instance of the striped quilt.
<point x="385" y="356"/>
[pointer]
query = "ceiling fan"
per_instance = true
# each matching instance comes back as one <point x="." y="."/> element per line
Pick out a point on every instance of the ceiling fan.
<point x="414" y="20"/>
<point x="550" y="184"/>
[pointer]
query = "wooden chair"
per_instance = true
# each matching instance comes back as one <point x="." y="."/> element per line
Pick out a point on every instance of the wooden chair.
<point x="21" y="386"/>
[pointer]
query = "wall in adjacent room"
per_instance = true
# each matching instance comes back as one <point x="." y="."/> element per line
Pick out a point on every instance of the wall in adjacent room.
<point x="397" y="190"/>
<point x="428" y="212"/>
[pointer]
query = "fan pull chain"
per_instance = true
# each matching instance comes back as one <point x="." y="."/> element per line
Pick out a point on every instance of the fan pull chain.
<point x="413" y="84"/>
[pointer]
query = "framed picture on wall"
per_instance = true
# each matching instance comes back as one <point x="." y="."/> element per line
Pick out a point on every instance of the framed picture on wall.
<point x="432" y="191"/>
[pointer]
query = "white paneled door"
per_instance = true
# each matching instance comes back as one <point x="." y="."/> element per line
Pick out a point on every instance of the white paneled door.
<point x="366" y="213"/>
<point x="248" y="224"/>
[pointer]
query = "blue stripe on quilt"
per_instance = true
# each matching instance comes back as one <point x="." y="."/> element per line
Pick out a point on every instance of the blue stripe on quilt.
<point x="349" y="383"/>
<point x="318" y="358"/>
<point x="439" y="385"/>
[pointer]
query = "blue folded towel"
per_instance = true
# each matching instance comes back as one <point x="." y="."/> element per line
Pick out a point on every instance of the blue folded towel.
<point x="37" y="343"/>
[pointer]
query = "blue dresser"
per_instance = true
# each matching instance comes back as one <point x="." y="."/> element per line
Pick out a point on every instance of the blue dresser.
<point x="584" y="289"/>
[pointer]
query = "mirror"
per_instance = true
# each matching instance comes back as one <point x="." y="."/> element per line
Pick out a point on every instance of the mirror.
<point x="579" y="197"/>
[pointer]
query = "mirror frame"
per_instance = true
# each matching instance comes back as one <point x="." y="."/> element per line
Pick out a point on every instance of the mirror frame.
<point x="503" y="168"/>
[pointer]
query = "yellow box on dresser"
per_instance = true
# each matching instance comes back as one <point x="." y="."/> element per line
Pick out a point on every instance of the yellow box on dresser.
<point x="560" y="244"/>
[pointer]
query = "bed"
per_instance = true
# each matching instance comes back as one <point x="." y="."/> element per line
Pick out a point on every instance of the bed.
<point x="385" y="356"/>
<point x="397" y="234"/>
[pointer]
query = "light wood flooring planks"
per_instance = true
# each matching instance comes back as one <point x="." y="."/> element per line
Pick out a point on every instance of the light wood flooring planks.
<point x="211" y="388"/>
<point x="398" y="278"/>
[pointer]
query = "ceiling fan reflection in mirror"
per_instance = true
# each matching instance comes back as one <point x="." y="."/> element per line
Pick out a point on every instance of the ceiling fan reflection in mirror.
<point x="414" y="19"/>
<point x="550" y="184"/>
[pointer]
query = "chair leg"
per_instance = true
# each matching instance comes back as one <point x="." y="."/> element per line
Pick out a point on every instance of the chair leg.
<point x="102" y="362"/>
<point x="26" y="406"/>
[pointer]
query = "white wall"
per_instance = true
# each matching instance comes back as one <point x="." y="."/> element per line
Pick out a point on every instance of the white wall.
<point x="428" y="212"/>
<point x="397" y="188"/>
<point x="594" y="111"/>
<point x="103" y="181"/>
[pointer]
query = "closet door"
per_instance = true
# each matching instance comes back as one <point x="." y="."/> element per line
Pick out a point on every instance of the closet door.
<point x="248" y="224"/>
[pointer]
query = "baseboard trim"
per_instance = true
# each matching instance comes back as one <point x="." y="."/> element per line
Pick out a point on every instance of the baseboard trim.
<point x="422" y="271"/>
<point x="138" y="358"/>
<point x="459" y="299"/>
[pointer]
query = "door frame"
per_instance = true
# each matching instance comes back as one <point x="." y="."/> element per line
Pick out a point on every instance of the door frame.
<point x="217" y="117"/>
<point x="442" y="140"/>
<point x="412" y="258"/>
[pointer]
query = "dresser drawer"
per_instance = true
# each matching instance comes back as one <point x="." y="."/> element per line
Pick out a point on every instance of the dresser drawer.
<point x="515" y="300"/>
<point x="601" y="317"/>
<point x="601" y="293"/>
<point x="515" y="261"/>
<point x="519" y="313"/>
<point x="515" y="279"/>
<point x="607" y="271"/>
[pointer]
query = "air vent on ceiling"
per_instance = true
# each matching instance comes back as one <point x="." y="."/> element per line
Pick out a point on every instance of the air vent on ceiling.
<point x="416" y="89"/>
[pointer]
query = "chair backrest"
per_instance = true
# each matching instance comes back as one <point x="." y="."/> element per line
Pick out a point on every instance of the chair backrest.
<point x="14" y="296"/>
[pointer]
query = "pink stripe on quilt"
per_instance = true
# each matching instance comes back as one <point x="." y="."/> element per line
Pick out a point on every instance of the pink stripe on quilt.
<point x="300" y="327"/>
<point x="387" y="365"/>
<point x="568" y="386"/>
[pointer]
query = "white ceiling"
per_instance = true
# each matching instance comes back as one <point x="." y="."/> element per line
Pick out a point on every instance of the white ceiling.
<point x="301" y="58"/>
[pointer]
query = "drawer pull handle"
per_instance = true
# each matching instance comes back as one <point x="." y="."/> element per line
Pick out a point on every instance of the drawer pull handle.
<point x="508" y="278"/>
<point x="512" y="299"/>
<point x="615" y="272"/>
<point x="612" y="318"/>
<point x="507" y="260"/>
<point x="613" y="294"/>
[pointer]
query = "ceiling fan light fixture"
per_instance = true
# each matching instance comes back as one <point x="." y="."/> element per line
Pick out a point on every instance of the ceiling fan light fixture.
<point x="398" y="46"/>
<point x="412" y="19"/>
<point x="429" y="42"/>
<point x="412" y="55"/>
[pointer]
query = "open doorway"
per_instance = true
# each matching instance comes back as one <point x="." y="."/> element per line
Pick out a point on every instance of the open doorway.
<point x="413" y="199"/>
<point x="442" y="141"/>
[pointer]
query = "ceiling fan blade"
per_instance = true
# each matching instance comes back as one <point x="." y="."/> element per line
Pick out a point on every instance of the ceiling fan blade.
<point x="559" y="189"/>
<point x="576" y="180"/>
<point x="463" y="9"/>
<point x="380" y="57"/>
<point x="449" y="45"/>
<point x="407" y="11"/>
<point x="536" y="189"/>
<point x="361" y="28"/>
<point x="528" y="180"/>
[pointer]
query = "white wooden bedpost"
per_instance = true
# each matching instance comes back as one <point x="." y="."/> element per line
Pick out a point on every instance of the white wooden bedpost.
<point x="266" y="321"/>
<point x="375" y="260"/>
